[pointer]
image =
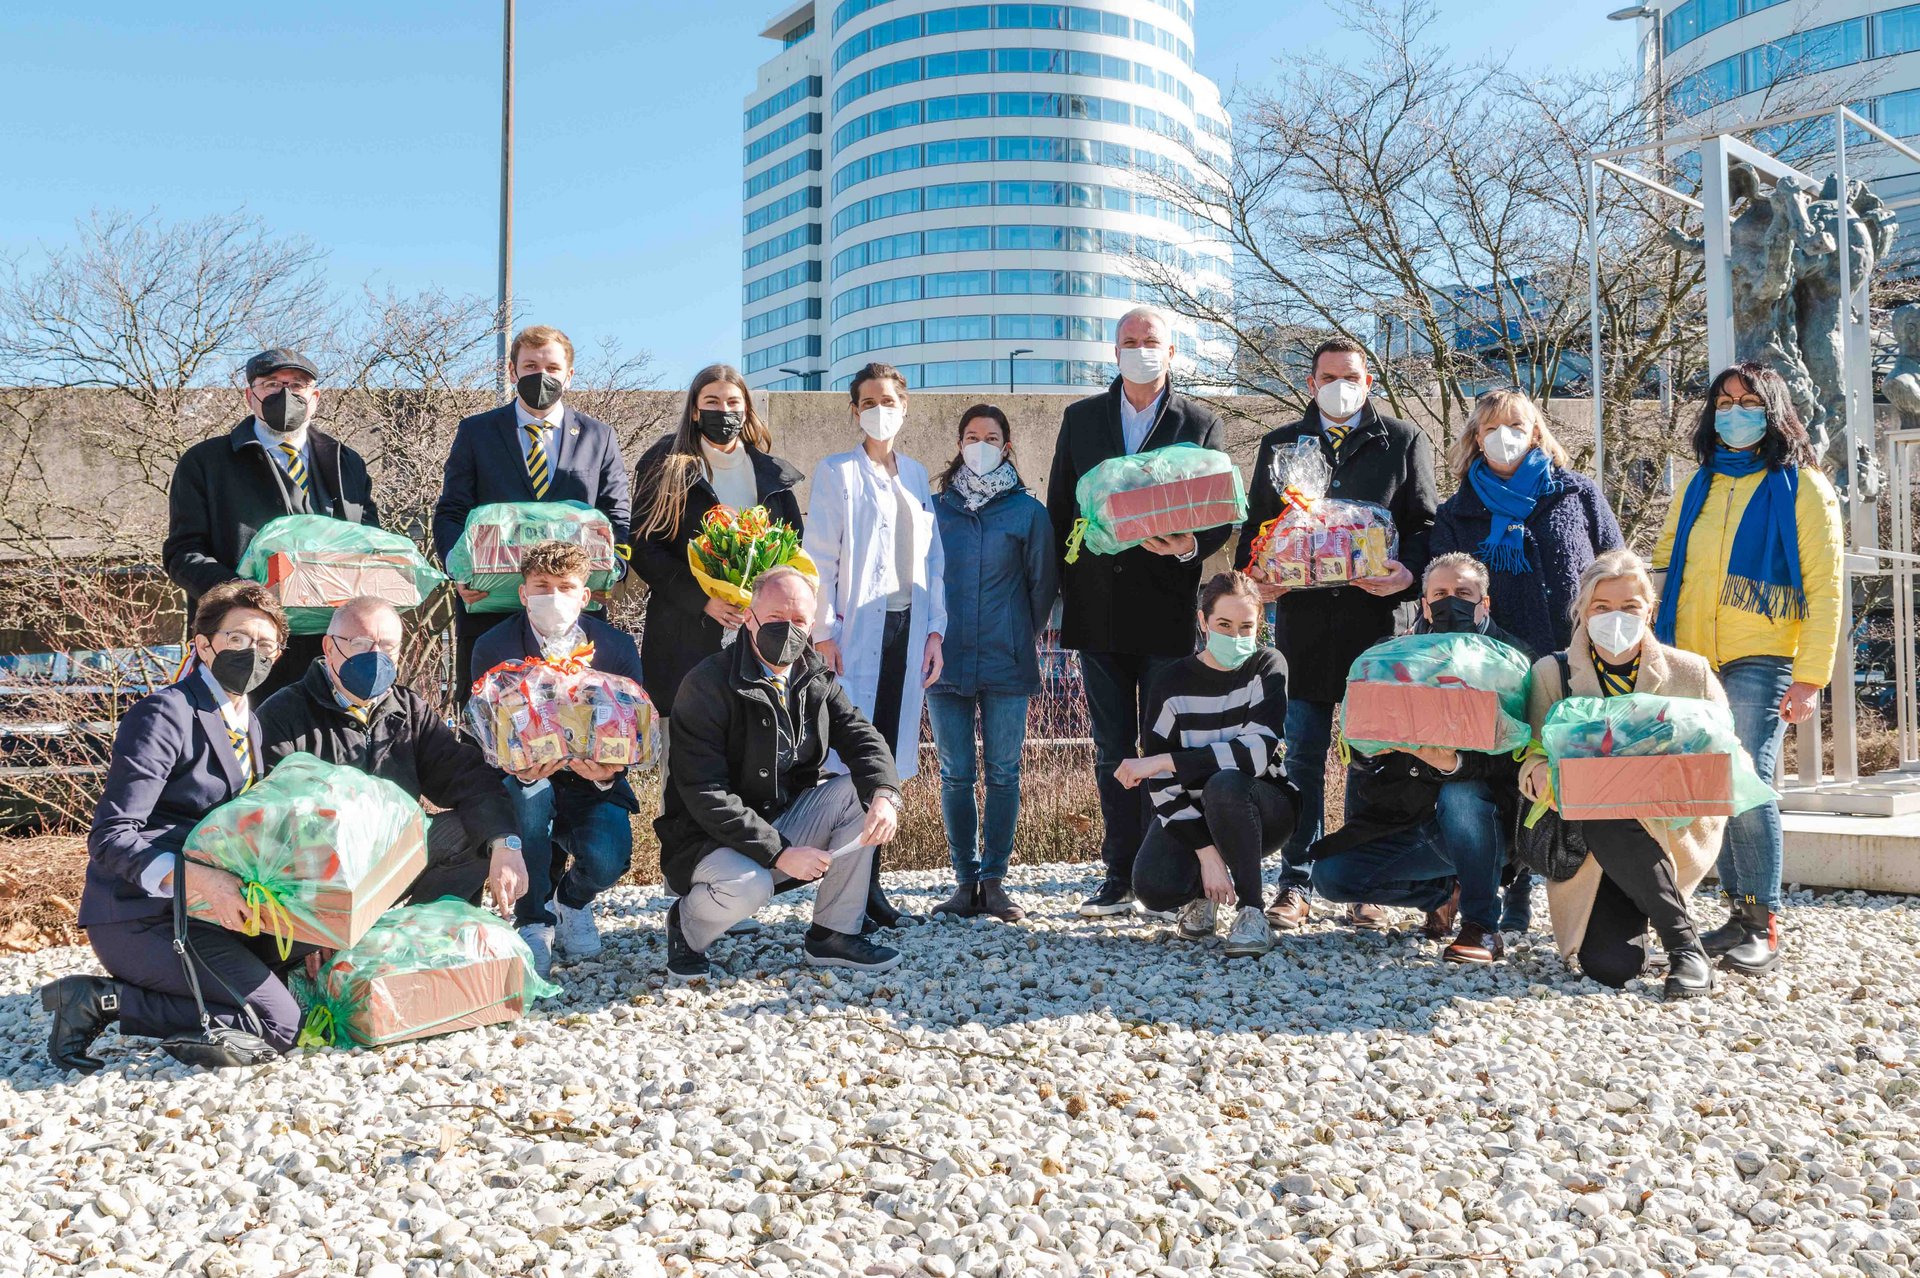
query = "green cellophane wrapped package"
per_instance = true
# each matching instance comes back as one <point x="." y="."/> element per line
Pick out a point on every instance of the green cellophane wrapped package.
<point x="1648" y="756"/>
<point x="1458" y="691"/>
<point x="315" y="563"/>
<point x="424" y="969"/>
<point x="1181" y="488"/>
<point x="320" y="850"/>
<point x="487" y="556"/>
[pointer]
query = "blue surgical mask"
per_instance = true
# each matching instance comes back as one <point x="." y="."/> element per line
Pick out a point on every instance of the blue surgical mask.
<point x="1231" y="651"/>
<point x="1740" y="427"/>
<point x="367" y="676"/>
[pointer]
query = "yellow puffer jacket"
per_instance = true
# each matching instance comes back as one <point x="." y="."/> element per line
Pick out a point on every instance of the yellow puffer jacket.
<point x="1722" y="634"/>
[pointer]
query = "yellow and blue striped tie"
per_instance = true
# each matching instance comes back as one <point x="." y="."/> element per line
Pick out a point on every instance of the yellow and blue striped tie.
<point x="243" y="751"/>
<point x="1337" y="435"/>
<point x="297" y="468"/>
<point x="537" y="460"/>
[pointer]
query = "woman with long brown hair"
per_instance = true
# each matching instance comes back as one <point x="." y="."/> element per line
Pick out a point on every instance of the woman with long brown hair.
<point x="720" y="454"/>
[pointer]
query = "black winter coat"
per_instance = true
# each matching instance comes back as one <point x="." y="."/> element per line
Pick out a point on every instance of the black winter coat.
<point x="226" y="488"/>
<point x="679" y="634"/>
<point x="1321" y="630"/>
<point x="1135" y="602"/>
<point x="726" y="782"/>
<point x="404" y="742"/>
<point x="1390" y="791"/>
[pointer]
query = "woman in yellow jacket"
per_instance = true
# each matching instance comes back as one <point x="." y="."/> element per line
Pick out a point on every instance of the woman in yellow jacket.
<point x="1751" y="554"/>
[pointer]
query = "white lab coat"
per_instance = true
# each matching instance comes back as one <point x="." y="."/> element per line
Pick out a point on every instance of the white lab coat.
<point x="851" y="512"/>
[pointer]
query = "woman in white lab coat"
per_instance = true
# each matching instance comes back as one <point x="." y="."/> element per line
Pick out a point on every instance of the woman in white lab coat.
<point x="871" y="532"/>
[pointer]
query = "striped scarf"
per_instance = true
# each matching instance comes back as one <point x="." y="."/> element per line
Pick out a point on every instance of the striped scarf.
<point x="1615" y="681"/>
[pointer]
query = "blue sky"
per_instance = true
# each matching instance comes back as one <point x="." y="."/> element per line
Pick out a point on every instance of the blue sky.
<point x="373" y="130"/>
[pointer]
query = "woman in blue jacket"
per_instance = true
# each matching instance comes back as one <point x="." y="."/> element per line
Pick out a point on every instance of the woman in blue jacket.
<point x="1000" y="582"/>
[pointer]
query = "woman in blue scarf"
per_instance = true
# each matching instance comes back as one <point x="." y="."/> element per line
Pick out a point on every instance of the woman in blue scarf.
<point x="1536" y="524"/>
<point x="1752" y="551"/>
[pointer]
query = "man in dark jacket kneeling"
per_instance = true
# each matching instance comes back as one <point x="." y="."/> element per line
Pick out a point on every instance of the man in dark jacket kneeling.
<point x="1427" y="828"/>
<point x="746" y="812"/>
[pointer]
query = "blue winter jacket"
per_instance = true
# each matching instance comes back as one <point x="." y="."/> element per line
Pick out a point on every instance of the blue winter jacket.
<point x="1001" y="579"/>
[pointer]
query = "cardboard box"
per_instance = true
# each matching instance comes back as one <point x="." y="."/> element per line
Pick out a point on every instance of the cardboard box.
<point x="1163" y="510"/>
<point x="342" y="915"/>
<point x="407" y="1005"/>
<point x="1459" y="718"/>
<point x="1660" y="785"/>
<point x="328" y="578"/>
<point x="495" y="549"/>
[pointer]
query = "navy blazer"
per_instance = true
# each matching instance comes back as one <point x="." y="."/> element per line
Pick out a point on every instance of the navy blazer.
<point x="171" y="766"/>
<point x="613" y="652"/>
<point x="486" y="466"/>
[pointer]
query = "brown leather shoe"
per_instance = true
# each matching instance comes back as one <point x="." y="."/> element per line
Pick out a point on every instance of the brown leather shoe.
<point x="1476" y="944"/>
<point x="1439" y="924"/>
<point x="1371" y="917"/>
<point x="1289" y="910"/>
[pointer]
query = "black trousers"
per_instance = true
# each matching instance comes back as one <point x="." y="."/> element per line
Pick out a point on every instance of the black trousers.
<point x="467" y="629"/>
<point x="457" y="863"/>
<point x="1637" y="887"/>
<point x="1248" y="818"/>
<point x="893" y="679"/>
<point x="155" y="999"/>
<point x="1116" y="686"/>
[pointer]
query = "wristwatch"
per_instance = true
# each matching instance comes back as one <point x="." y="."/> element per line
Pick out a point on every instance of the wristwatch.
<point x="511" y="842"/>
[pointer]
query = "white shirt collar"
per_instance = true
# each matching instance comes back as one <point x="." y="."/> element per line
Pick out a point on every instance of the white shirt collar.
<point x="272" y="441"/>
<point x="527" y="417"/>
<point x="1344" y="423"/>
<point x="563" y="646"/>
<point x="235" y="713"/>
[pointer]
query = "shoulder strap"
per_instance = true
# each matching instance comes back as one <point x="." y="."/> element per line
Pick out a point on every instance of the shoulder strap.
<point x="1566" y="673"/>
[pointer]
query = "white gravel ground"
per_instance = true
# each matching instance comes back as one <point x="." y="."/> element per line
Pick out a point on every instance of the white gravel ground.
<point x="1061" y="1097"/>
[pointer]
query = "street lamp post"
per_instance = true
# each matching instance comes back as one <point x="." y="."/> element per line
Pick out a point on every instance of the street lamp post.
<point x="1658" y="107"/>
<point x="806" y="379"/>
<point x="506" y="199"/>
<point x="1011" y="356"/>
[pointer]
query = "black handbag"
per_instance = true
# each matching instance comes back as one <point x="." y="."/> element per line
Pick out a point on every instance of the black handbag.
<point x="1549" y="845"/>
<point x="215" y="1046"/>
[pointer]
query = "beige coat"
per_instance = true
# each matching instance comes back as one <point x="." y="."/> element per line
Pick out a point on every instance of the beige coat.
<point x="1670" y="672"/>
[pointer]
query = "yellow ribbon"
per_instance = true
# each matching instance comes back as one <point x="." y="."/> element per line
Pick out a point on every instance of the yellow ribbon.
<point x="1073" y="539"/>
<point x="279" y="918"/>
<point x="1343" y="750"/>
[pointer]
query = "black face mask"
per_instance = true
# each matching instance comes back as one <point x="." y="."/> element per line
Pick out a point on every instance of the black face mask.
<point x="241" y="670"/>
<point x="284" y="412"/>
<point x="539" y="391"/>
<point x="1454" y="615"/>
<point x="721" y="426"/>
<point x="780" y="643"/>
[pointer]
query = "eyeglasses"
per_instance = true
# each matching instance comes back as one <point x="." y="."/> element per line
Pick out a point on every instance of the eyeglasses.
<point x="1745" y="401"/>
<point x="366" y="643"/>
<point x="234" y="640"/>
<point x="268" y="385"/>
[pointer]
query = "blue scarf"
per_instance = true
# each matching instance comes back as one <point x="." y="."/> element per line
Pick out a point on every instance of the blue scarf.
<point x="1763" y="571"/>
<point x="1511" y="501"/>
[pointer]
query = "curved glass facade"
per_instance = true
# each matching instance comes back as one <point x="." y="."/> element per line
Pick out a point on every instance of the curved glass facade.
<point x="1008" y="17"/>
<point x="941" y="66"/>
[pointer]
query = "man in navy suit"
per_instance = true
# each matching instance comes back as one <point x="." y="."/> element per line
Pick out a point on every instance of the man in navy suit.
<point x="571" y="806"/>
<point x="534" y="449"/>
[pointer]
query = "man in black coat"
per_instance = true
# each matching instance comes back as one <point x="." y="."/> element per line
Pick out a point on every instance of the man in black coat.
<point x="273" y="463"/>
<point x="348" y="710"/>
<point x="1132" y="613"/>
<point x="533" y="449"/>
<point x="1375" y="458"/>
<point x="1428" y="828"/>
<point x="747" y="813"/>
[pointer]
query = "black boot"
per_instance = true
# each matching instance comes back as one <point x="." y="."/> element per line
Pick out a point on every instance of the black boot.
<point x="963" y="904"/>
<point x="685" y="965"/>
<point x="880" y="911"/>
<point x="995" y="901"/>
<point x="1689" y="974"/>
<point x="1759" y="949"/>
<point x="82" y="1006"/>
<point x="1727" y="935"/>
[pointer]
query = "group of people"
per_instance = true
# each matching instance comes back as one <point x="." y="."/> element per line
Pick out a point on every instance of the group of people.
<point x="787" y="727"/>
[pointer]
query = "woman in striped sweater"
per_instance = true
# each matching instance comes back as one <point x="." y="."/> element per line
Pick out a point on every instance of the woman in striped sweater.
<point x="1213" y="768"/>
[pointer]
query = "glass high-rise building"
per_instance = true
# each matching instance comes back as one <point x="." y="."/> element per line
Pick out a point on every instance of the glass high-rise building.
<point x="939" y="185"/>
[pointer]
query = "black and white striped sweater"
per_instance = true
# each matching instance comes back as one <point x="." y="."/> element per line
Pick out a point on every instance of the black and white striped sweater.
<point x="1210" y="720"/>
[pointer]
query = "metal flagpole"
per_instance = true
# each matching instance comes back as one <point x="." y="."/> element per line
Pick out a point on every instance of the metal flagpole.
<point x="506" y="201"/>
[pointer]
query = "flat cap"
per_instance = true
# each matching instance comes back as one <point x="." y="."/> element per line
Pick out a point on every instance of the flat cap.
<point x="274" y="360"/>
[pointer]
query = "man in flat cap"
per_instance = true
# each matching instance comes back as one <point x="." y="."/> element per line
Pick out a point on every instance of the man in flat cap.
<point x="275" y="462"/>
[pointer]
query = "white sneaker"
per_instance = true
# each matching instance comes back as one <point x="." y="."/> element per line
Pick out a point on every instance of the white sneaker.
<point x="1198" y="919"/>
<point x="1251" y="935"/>
<point x="539" y="939"/>
<point x="576" y="936"/>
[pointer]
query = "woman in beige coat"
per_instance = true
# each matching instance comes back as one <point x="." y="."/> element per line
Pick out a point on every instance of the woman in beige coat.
<point x="1638" y="872"/>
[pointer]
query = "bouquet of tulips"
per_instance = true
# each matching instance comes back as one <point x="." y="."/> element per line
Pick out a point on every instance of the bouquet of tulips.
<point x="733" y="549"/>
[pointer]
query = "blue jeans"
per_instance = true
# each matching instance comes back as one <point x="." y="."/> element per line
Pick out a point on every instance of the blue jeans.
<point x="1003" y="731"/>
<point x="558" y="821"/>
<point x="1409" y="867"/>
<point x="1471" y="833"/>
<point x="1309" y="737"/>
<point x="1749" y="864"/>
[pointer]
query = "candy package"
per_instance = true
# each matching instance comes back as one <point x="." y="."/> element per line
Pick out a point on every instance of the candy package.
<point x="1462" y="691"/>
<point x="1317" y="540"/>
<point x="314" y="563"/>
<point x="487" y="556"/>
<point x="320" y="850"/>
<point x="1181" y="488"/>
<point x="533" y="712"/>
<point x="1642" y="755"/>
<point x="423" y="969"/>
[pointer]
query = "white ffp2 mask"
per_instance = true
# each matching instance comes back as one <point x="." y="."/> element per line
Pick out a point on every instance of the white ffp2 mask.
<point x="1616" y="633"/>
<point x="553" y="615"/>
<point x="1340" y="399"/>
<point x="1506" y="445"/>
<point x="1143" y="365"/>
<point x="882" y="421"/>
<point x="981" y="457"/>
